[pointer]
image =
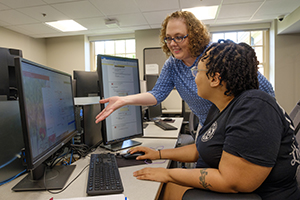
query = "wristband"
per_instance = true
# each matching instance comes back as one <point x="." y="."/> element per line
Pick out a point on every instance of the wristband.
<point x="159" y="153"/>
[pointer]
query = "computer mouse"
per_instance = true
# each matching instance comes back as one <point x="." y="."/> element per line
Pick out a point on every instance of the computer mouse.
<point x="133" y="156"/>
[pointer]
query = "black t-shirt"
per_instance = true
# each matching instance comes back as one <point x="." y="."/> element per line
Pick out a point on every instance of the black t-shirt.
<point x="253" y="126"/>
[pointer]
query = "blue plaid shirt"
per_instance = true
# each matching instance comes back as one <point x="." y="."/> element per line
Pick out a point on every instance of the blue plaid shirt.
<point x="176" y="74"/>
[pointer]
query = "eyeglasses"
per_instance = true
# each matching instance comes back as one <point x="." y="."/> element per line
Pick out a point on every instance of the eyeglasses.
<point x="176" y="39"/>
<point x="195" y="70"/>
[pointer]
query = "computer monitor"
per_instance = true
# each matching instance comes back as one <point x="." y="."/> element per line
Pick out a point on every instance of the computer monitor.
<point x="8" y="86"/>
<point x="86" y="83"/>
<point x="120" y="77"/>
<point x="48" y="122"/>
<point x="152" y="112"/>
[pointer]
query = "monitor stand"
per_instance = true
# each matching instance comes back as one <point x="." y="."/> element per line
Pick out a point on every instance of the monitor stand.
<point x="121" y="145"/>
<point x="55" y="179"/>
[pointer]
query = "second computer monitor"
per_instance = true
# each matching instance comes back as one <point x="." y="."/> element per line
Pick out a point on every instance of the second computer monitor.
<point x="86" y="83"/>
<point x="119" y="76"/>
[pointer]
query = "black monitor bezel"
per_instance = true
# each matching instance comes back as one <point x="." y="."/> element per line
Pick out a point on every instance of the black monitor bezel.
<point x="31" y="162"/>
<point x="100" y="75"/>
<point x="83" y="83"/>
<point x="7" y="72"/>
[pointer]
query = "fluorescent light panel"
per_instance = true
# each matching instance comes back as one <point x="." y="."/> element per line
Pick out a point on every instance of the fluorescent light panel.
<point x="203" y="13"/>
<point x="66" y="25"/>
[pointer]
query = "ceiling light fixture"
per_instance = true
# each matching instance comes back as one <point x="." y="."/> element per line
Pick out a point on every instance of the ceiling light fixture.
<point x="66" y="25"/>
<point x="203" y="13"/>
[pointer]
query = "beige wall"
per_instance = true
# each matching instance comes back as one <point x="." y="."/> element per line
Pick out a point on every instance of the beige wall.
<point x="32" y="49"/>
<point x="286" y="69"/>
<point x="66" y="53"/>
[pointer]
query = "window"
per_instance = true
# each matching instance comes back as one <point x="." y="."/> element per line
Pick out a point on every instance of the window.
<point x="121" y="48"/>
<point x="256" y="39"/>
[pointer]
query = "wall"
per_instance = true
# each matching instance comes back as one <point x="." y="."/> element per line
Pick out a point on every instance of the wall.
<point x="32" y="49"/>
<point x="66" y="53"/>
<point x="145" y="39"/>
<point x="287" y="70"/>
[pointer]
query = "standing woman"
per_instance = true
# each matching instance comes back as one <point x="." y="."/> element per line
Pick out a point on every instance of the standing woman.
<point x="183" y="37"/>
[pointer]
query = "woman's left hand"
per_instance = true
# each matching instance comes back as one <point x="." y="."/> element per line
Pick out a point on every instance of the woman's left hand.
<point x="153" y="174"/>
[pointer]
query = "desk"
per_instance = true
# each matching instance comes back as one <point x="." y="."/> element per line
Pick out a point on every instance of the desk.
<point x="133" y="189"/>
<point x="153" y="131"/>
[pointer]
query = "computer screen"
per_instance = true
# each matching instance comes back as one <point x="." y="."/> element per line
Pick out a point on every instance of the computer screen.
<point x="153" y="111"/>
<point x="86" y="83"/>
<point x="8" y="86"/>
<point x="120" y="77"/>
<point x="48" y="122"/>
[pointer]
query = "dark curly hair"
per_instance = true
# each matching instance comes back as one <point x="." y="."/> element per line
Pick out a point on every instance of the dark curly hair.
<point x="236" y="63"/>
<point x="199" y="36"/>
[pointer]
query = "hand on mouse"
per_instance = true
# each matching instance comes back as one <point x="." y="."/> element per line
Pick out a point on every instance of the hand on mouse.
<point x="149" y="153"/>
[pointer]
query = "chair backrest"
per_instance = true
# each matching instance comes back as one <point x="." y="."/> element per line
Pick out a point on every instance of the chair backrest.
<point x="193" y="124"/>
<point x="295" y="116"/>
<point x="185" y="111"/>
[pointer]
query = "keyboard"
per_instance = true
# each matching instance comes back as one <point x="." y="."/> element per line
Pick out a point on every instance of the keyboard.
<point x="165" y="126"/>
<point x="104" y="177"/>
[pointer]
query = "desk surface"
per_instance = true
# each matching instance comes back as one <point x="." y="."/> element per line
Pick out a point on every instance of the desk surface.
<point x="153" y="131"/>
<point x="133" y="189"/>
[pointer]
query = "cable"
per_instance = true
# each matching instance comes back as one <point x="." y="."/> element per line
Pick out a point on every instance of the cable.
<point x="7" y="163"/>
<point x="12" y="178"/>
<point x="10" y="161"/>
<point x="84" y="149"/>
<point x="68" y="184"/>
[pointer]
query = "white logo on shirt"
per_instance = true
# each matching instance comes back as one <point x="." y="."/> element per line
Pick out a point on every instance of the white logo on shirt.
<point x="210" y="132"/>
<point x="295" y="153"/>
<point x="296" y="156"/>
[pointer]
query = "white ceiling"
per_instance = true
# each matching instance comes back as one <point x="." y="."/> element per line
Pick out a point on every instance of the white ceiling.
<point x="28" y="16"/>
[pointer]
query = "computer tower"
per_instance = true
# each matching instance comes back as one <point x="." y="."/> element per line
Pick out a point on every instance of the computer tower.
<point x="89" y="132"/>
<point x="11" y="142"/>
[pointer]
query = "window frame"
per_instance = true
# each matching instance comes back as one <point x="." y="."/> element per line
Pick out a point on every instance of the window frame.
<point x="264" y="45"/>
<point x="125" y="54"/>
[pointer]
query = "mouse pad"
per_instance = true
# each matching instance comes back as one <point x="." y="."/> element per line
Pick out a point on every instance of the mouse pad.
<point x="122" y="162"/>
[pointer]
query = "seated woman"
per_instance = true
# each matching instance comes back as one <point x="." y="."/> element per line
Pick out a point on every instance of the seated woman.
<point x="249" y="145"/>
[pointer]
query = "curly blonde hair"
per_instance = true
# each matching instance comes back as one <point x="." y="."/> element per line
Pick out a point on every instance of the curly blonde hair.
<point x="199" y="37"/>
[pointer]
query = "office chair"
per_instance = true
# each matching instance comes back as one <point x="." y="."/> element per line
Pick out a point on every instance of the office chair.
<point x="197" y="194"/>
<point x="295" y="117"/>
<point x="185" y="137"/>
<point x="193" y="124"/>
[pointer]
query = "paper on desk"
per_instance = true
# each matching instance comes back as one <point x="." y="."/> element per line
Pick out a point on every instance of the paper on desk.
<point x="102" y="197"/>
